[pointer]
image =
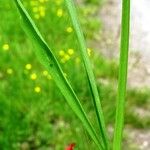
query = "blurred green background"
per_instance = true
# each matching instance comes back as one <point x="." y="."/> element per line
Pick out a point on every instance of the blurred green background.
<point x="33" y="113"/>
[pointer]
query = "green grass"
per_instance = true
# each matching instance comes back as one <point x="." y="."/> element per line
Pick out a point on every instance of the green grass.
<point x="122" y="81"/>
<point x="38" y="120"/>
<point x="49" y="61"/>
<point x="88" y="69"/>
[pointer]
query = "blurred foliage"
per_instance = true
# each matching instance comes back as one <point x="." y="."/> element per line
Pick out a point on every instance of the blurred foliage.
<point x="33" y="112"/>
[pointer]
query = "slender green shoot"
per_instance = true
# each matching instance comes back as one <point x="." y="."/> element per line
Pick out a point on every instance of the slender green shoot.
<point x="122" y="74"/>
<point x="48" y="59"/>
<point x="90" y="75"/>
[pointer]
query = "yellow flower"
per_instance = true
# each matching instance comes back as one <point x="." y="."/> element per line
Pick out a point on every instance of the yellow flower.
<point x="89" y="51"/>
<point x="37" y="89"/>
<point x="33" y="76"/>
<point x="28" y="66"/>
<point x="70" y="51"/>
<point x="45" y="73"/>
<point x="41" y="1"/>
<point x="42" y="13"/>
<point x="69" y="29"/>
<point x="60" y="12"/>
<point x="66" y="57"/>
<point x="9" y="71"/>
<point x="58" y="2"/>
<point x="5" y="47"/>
<point x="61" y="53"/>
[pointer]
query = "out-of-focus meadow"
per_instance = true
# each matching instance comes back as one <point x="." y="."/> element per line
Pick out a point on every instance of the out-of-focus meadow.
<point x="33" y="113"/>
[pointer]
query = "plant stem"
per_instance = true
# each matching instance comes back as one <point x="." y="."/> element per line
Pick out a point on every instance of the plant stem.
<point x="123" y="65"/>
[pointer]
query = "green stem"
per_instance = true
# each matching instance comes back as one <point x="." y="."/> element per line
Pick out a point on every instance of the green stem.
<point x="122" y="75"/>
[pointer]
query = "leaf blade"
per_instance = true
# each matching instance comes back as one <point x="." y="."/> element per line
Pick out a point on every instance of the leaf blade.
<point x="123" y="65"/>
<point x="48" y="59"/>
<point x="90" y="75"/>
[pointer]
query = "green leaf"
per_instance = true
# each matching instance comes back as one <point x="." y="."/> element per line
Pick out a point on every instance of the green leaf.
<point x="48" y="59"/>
<point x="90" y="75"/>
<point x="123" y="65"/>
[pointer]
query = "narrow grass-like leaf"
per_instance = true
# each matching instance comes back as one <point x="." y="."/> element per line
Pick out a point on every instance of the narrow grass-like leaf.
<point x="90" y="75"/>
<point x="123" y="65"/>
<point x="48" y="59"/>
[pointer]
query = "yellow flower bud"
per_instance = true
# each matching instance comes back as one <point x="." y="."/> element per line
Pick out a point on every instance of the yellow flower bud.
<point x="69" y="29"/>
<point x="70" y="51"/>
<point x="33" y="76"/>
<point x="28" y="66"/>
<point x="9" y="71"/>
<point x="59" y="12"/>
<point x="37" y="89"/>
<point x="5" y="47"/>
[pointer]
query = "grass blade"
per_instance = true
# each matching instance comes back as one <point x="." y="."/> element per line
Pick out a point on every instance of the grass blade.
<point x="48" y="59"/>
<point x="122" y="74"/>
<point x="91" y="79"/>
